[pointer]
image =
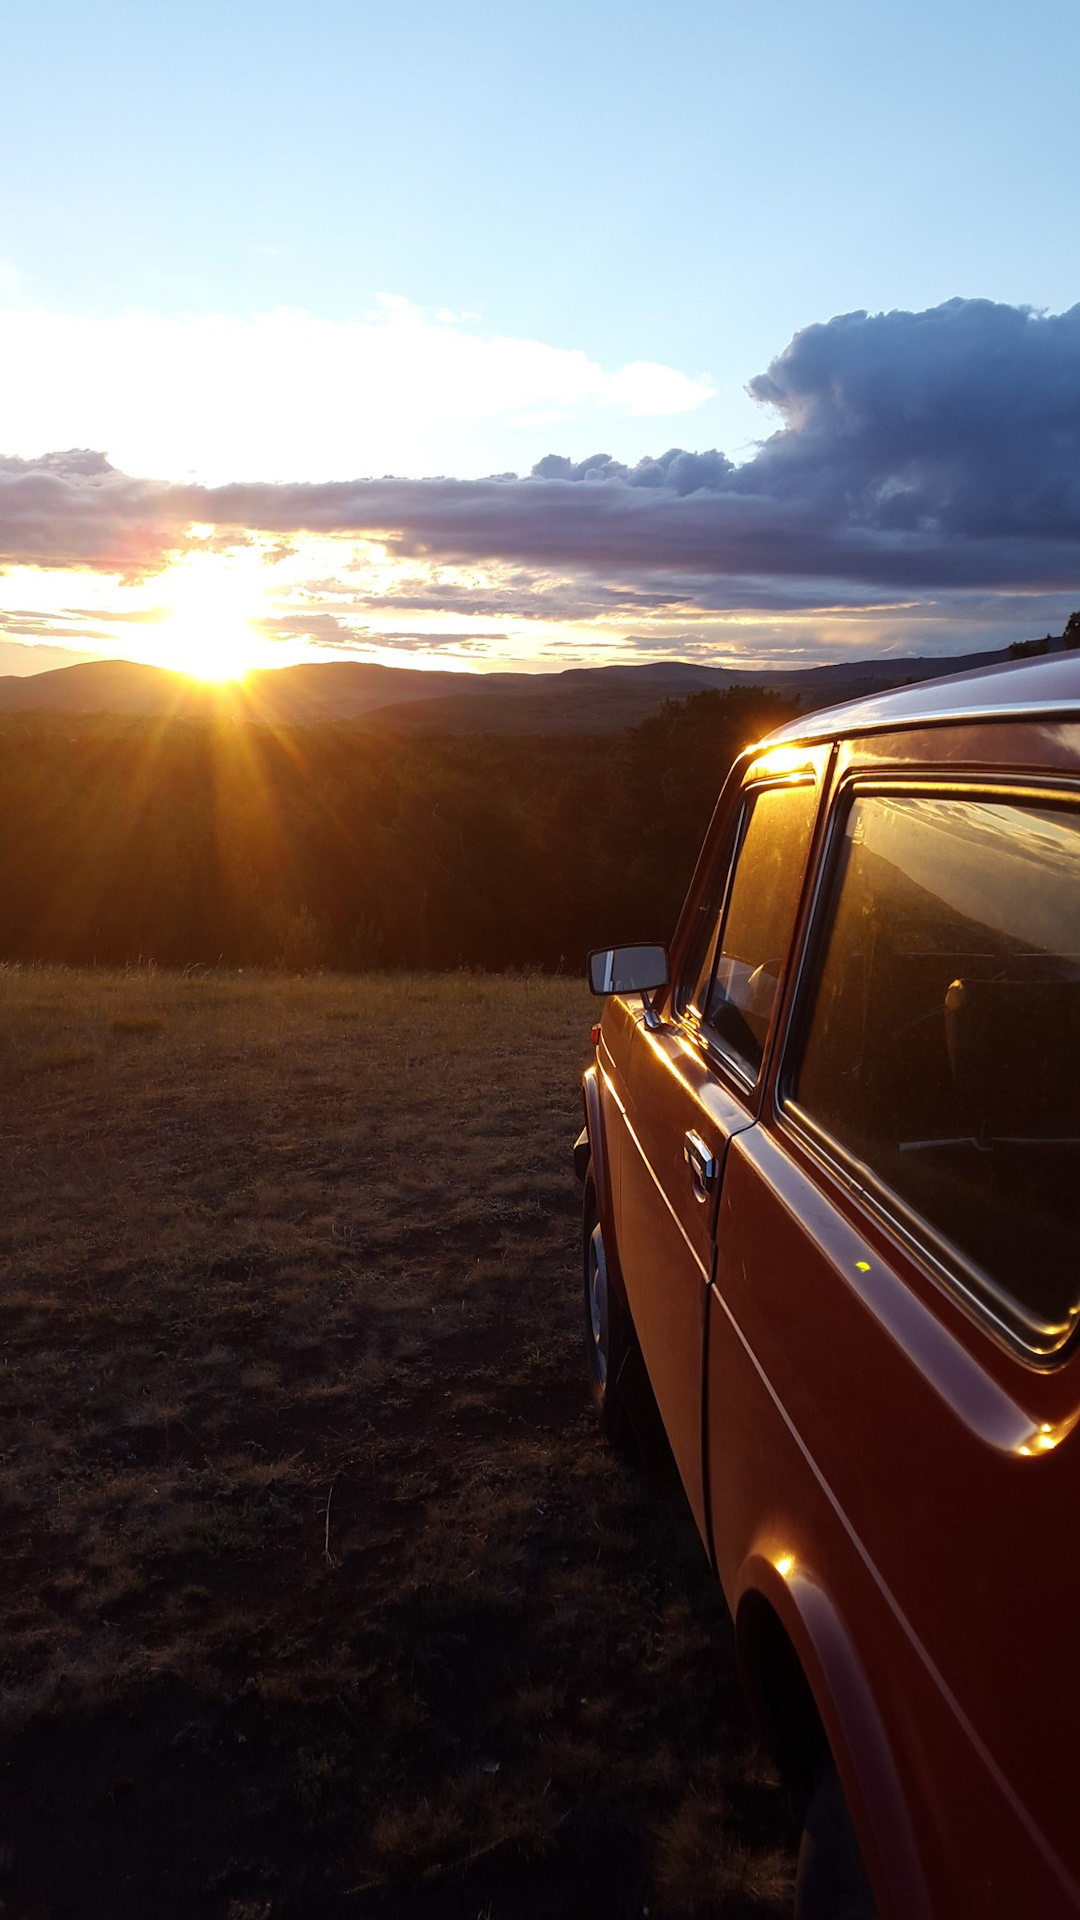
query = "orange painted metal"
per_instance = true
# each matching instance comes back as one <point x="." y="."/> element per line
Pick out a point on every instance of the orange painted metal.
<point x="864" y="1453"/>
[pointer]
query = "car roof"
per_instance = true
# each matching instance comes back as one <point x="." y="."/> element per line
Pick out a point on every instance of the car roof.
<point x="1016" y="689"/>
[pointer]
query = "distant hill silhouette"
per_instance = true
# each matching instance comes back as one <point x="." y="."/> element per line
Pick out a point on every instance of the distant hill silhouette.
<point x="489" y="822"/>
<point x="578" y="700"/>
<point x="101" y="686"/>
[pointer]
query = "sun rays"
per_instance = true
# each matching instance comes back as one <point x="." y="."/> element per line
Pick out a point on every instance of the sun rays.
<point x="212" y="606"/>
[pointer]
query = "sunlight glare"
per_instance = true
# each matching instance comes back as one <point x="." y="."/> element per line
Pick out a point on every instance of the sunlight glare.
<point x="212" y="602"/>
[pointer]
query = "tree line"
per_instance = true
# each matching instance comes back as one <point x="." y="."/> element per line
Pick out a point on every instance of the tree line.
<point x="1066" y="642"/>
<point x="350" y="845"/>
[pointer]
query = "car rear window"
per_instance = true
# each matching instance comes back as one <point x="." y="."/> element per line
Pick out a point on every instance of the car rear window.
<point x="942" y="1048"/>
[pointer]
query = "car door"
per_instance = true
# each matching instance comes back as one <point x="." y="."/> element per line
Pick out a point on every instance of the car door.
<point x="891" y="1395"/>
<point x="691" y="1082"/>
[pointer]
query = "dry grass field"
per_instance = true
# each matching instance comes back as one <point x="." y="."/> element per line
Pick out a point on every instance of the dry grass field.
<point x="319" y="1595"/>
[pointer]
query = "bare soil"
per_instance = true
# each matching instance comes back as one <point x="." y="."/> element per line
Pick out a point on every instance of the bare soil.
<point x="319" y="1595"/>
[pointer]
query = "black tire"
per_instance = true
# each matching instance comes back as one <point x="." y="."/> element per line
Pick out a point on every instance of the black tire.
<point x="831" y="1882"/>
<point x="609" y="1335"/>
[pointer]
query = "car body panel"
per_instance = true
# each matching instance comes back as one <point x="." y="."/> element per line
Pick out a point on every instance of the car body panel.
<point x="861" y="1502"/>
<point x="853" y="1724"/>
<point x="666" y="1224"/>
<point x="866" y="1450"/>
<point x="1000" y="694"/>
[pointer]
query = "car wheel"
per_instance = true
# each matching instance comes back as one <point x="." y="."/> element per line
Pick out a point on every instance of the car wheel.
<point x="608" y="1337"/>
<point x="831" y="1882"/>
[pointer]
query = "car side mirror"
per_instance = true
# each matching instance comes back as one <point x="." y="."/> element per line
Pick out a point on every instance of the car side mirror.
<point x="628" y="969"/>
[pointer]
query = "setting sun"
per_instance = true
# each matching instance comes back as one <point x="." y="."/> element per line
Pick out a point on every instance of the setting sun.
<point x="212" y="603"/>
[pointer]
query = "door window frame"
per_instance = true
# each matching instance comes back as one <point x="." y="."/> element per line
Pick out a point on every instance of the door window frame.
<point x="997" y="1311"/>
<point x="812" y="772"/>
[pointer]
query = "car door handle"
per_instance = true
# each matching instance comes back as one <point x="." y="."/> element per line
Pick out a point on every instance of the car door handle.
<point x="703" y="1165"/>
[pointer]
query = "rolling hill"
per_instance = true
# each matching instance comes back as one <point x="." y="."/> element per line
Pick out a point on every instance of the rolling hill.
<point x="578" y="700"/>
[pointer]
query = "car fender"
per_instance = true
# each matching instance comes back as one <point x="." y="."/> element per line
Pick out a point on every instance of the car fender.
<point x="849" y="1716"/>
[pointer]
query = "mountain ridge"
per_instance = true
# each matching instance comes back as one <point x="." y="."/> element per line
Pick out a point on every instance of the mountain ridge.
<point x="574" y="699"/>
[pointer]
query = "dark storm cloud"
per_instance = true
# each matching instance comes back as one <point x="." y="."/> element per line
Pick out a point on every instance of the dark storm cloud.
<point x="917" y="452"/>
<point x="962" y="422"/>
<point x="675" y="470"/>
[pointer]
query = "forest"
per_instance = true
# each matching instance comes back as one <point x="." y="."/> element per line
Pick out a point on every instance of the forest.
<point x="353" y="846"/>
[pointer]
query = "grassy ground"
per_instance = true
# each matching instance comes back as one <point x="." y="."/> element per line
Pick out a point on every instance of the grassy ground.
<point x="318" y="1594"/>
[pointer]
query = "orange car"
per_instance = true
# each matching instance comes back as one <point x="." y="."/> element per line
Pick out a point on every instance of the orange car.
<point x="832" y="1166"/>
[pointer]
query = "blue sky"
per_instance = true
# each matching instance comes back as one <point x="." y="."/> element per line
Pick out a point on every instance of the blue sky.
<point x="260" y="244"/>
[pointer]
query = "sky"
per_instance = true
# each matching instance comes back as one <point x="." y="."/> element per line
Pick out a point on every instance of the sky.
<point x="477" y="336"/>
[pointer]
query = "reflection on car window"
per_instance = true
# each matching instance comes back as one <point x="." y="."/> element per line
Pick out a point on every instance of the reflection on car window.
<point x="737" y="989"/>
<point x="943" y="1044"/>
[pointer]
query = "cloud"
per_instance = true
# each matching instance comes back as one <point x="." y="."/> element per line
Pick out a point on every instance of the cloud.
<point x="319" y="629"/>
<point x="74" y="509"/>
<point x="285" y="393"/>
<point x="423" y="641"/>
<point x="39" y="629"/>
<point x="961" y="422"/>
<point x="677" y="471"/>
<point x="918" y="453"/>
<point x="328" y="631"/>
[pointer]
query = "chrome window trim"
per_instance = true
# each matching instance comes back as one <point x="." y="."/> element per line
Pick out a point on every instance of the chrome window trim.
<point x="946" y="1264"/>
<point x="728" y="1063"/>
<point x="680" y="993"/>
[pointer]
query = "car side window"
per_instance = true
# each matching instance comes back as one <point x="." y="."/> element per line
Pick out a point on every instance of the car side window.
<point x="942" y="1043"/>
<point x="737" y="983"/>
